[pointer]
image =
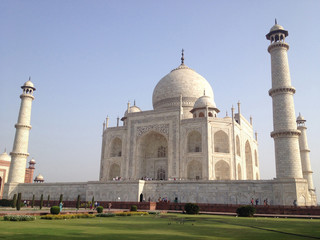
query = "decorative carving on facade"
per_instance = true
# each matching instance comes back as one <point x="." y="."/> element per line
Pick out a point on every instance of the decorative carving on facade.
<point x="285" y="133"/>
<point x="278" y="44"/>
<point x="291" y="90"/>
<point x="161" y="128"/>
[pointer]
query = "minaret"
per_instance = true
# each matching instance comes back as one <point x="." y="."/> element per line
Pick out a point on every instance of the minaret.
<point x="19" y="152"/>
<point x="285" y="133"/>
<point x="304" y="152"/>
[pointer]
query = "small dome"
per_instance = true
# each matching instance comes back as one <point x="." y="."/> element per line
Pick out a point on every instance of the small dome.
<point x="39" y="178"/>
<point x="28" y="84"/>
<point x="204" y="101"/>
<point x="32" y="161"/>
<point x="276" y="27"/>
<point x="300" y="118"/>
<point x="5" y="157"/>
<point x="132" y="109"/>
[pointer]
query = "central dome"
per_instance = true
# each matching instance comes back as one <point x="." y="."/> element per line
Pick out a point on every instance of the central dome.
<point x="182" y="81"/>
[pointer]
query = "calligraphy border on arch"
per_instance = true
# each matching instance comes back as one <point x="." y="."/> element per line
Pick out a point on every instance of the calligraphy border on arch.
<point x="161" y="128"/>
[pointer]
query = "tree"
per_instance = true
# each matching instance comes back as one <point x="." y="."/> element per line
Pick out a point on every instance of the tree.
<point x="19" y="202"/>
<point x="41" y="201"/>
<point x="48" y="203"/>
<point x="32" y="203"/>
<point x="14" y="201"/>
<point x="61" y="198"/>
<point x="78" y="202"/>
<point x="92" y="202"/>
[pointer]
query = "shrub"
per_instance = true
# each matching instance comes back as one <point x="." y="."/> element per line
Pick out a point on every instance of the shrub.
<point x="6" y="203"/>
<point x="41" y="201"/>
<point x="14" y="201"/>
<point x="246" y="211"/>
<point x="105" y="215"/>
<point x="19" y="218"/>
<point x="55" y="210"/>
<point x="32" y="203"/>
<point x="78" y="202"/>
<point x="154" y="212"/>
<point x="133" y="208"/>
<point x="191" y="208"/>
<point x="19" y="202"/>
<point x="68" y="216"/>
<point x="100" y="209"/>
<point x="124" y="214"/>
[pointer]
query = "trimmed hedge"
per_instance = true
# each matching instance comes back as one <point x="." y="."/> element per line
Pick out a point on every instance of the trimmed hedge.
<point x="246" y="211"/>
<point x="19" y="218"/>
<point x="105" y="215"/>
<point x="55" y="210"/>
<point x="68" y="216"/>
<point x="191" y="208"/>
<point x="100" y="209"/>
<point x="5" y="203"/>
<point x="125" y="214"/>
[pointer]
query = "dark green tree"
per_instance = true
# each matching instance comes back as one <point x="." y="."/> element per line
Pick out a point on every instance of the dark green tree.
<point x="48" y="203"/>
<point x="92" y="202"/>
<point x="78" y="202"/>
<point x="19" y="202"/>
<point x="61" y="198"/>
<point x="41" y="201"/>
<point x="14" y="201"/>
<point x="32" y="203"/>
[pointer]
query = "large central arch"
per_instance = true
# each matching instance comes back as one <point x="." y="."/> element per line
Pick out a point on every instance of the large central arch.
<point x="152" y="158"/>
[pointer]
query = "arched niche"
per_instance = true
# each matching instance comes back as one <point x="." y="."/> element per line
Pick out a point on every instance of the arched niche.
<point x="221" y="142"/>
<point x="152" y="157"/>
<point x="239" y="172"/>
<point x="248" y="155"/>
<point x="194" y="142"/>
<point x="116" y="147"/>
<point x="114" y="171"/>
<point x="222" y="170"/>
<point x="194" y="170"/>
<point x="238" y="145"/>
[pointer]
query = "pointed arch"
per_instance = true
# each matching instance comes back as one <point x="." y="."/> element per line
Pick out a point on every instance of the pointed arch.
<point x="221" y="142"/>
<point x="116" y="147"/>
<point x="114" y="171"/>
<point x="249" y="164"/>
<point x="194" y="141"/>
<point x="194" y="170"/>
<point x="238" y="145"/>
<point x="222" y="170"/>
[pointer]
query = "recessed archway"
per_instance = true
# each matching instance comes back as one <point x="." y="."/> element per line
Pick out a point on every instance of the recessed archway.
<point x="114" y="171"/>
<point x="194" y="170"/>
<point x="152" y="156"/>
<point x="222" y="170"/>
<point x="248" y="161"/>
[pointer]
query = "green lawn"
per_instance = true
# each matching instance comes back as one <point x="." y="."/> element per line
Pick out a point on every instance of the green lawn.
<point x="168" y="226"/>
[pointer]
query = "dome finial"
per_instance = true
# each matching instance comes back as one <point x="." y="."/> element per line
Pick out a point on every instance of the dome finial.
<point x="182" y="57"/>
<point x="204" y="92"/>
<point x="134" y="102"/>
<point x="275" y="21"/>
<point x="29" y="78"/>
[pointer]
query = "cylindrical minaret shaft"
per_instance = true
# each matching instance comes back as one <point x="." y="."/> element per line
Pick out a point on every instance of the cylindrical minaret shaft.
<point x="19" y="152"/>
<point x="285" y="133"/>
<point x="304" y="152"/>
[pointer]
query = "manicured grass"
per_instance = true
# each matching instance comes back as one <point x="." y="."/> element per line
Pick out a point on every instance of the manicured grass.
<point x="168" y="226"/>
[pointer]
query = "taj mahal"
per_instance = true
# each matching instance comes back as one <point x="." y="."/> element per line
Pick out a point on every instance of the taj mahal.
<point x="184" y="149"/>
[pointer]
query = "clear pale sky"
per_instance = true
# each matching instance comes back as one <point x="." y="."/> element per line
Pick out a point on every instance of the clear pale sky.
<point x="87" y="59"/>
